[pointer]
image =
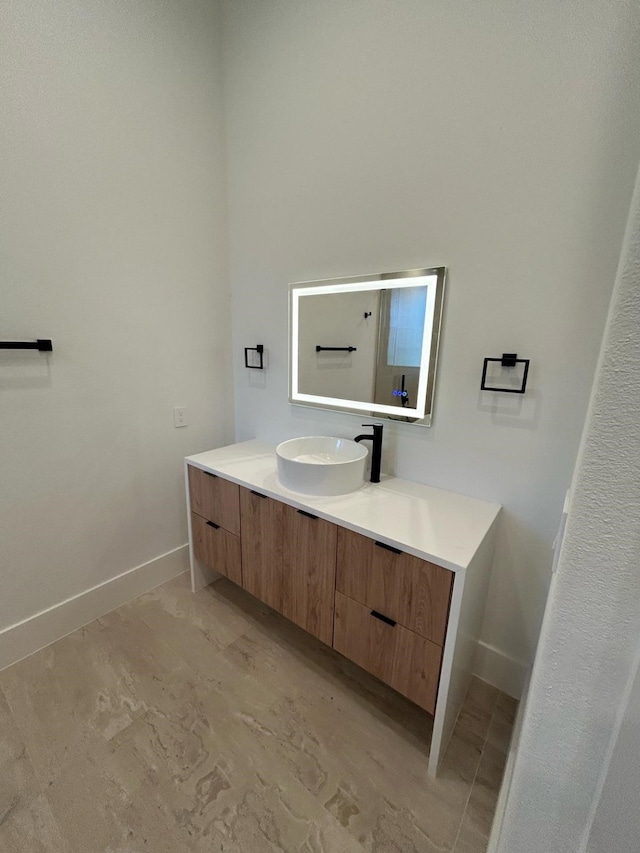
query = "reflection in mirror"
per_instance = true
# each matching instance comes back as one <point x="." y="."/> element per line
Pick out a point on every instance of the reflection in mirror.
<point x="367" y="344"/>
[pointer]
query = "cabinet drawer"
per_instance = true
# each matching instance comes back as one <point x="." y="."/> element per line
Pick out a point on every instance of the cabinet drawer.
<point x="399" y="657"/>
<point x="215" y="499"/>
<point x="411" y="591"/>
<point x="217" y="548"/>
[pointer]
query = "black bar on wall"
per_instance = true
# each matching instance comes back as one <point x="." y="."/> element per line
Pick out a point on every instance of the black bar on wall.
<point x="335" y="349"/>
<point x="42" y="344"/>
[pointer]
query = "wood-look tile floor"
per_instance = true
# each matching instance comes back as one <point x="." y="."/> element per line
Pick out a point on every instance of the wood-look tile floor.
<point x="206" y="722"/>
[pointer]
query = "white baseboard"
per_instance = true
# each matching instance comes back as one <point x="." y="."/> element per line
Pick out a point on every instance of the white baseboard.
<point x="500" y="670"/>
<point x="22" y="639"/>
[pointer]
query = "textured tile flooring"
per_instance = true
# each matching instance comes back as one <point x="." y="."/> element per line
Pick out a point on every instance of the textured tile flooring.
<point x="207" y="722"/>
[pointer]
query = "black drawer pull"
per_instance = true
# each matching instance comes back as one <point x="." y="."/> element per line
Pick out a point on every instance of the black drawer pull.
<point x="211" y="524"/>
<point x="384" y="619"/>
<point x="388" y="547"/>
<point x="209" y="474"/>
<point x="258" y="495"/>
<point x="307" y="514"/>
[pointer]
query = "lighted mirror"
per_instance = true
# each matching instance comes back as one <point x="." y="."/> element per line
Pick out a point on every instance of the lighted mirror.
<point x="367" y="344"/>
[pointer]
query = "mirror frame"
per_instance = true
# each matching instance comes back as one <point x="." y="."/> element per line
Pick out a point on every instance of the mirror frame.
<point x="421" y="414"/>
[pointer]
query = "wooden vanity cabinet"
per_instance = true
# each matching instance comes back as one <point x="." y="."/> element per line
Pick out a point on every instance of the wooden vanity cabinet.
<point x="409" y="621"/>
<point x="216" y="548"/>
<point x="215" y="523"/>
<point x="391" y="614"/>
<point x="401" y="658"/>
<point x="384" y="609"/>
<point x="262" y="547"/>
<point x="215" y="499"/>
<point x="405" y="588"/>
<point x="310" y="554"/>
<point x="289" y="561"/>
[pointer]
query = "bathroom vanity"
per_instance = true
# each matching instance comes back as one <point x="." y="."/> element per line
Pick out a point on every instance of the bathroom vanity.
<point x="394" y="575"/>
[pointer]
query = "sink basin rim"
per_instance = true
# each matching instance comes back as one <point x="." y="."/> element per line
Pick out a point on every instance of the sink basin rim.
<point x="321" y="465"/>
<point x="330" y="454"/>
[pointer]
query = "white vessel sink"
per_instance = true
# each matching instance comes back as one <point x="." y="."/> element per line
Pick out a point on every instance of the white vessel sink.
<point x="321" y="465"/>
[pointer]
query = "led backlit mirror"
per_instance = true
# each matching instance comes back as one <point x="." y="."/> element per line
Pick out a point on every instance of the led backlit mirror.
<point x="367" y="344"/>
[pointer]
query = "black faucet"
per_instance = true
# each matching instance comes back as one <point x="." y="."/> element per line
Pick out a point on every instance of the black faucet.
<point x="376" y="450"/>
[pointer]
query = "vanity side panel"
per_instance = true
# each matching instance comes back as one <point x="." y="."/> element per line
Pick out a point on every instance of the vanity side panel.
<point x="263" y="557"/>
<point x="463" y="633"/>
<point x="409" y="590"/>
<point x="310" y="560"/>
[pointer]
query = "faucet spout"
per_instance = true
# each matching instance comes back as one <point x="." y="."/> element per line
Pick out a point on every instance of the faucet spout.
<point x="376" y="449"/>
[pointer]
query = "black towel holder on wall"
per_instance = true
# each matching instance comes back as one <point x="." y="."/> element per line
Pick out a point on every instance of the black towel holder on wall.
<point x="41" y="344"/>
<point x="259" y="357"/>
<point x="509" y="359"/>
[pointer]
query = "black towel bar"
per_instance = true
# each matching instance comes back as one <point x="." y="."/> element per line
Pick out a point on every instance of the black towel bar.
<point x="42" y="344"/>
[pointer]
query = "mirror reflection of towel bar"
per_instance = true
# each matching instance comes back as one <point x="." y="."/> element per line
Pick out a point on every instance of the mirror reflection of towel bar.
<point x="335" y="349"/>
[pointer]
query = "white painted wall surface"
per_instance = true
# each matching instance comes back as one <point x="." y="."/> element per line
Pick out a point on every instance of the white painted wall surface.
<point x="616" y="824"/>
<point x="113" y="244"/>
<point x="499" y="139"/>
<point x="575" y="779"/>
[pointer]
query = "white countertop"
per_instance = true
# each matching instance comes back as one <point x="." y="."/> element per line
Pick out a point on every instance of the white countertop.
<point x="443" y="527"/>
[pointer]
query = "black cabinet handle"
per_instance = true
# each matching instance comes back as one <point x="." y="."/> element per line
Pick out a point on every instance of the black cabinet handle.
<point x="209" y="474"/>
<point x="384" y="619"/>
<point x="388" y="548"/>
<point x="307" y="514"/>
<point x="258" y="495"/>
<point x="215" y="526"/>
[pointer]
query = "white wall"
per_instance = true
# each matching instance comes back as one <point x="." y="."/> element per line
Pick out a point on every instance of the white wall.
<point x="616" y="823"/>
<point x="579" y="749"/>
<point x="113" y="244"/>
<point x="499" y="139"/>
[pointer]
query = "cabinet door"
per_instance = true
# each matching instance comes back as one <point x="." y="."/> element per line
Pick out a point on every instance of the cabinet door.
<point x="216" y="548"/>
<point x="215" y="499"/>
<point x="289" y="562"/>
<point x="310" y="570"/>
<point x="411" y="591"/>
<point x="401" y="658"/>
<point x="263" y="547"/>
